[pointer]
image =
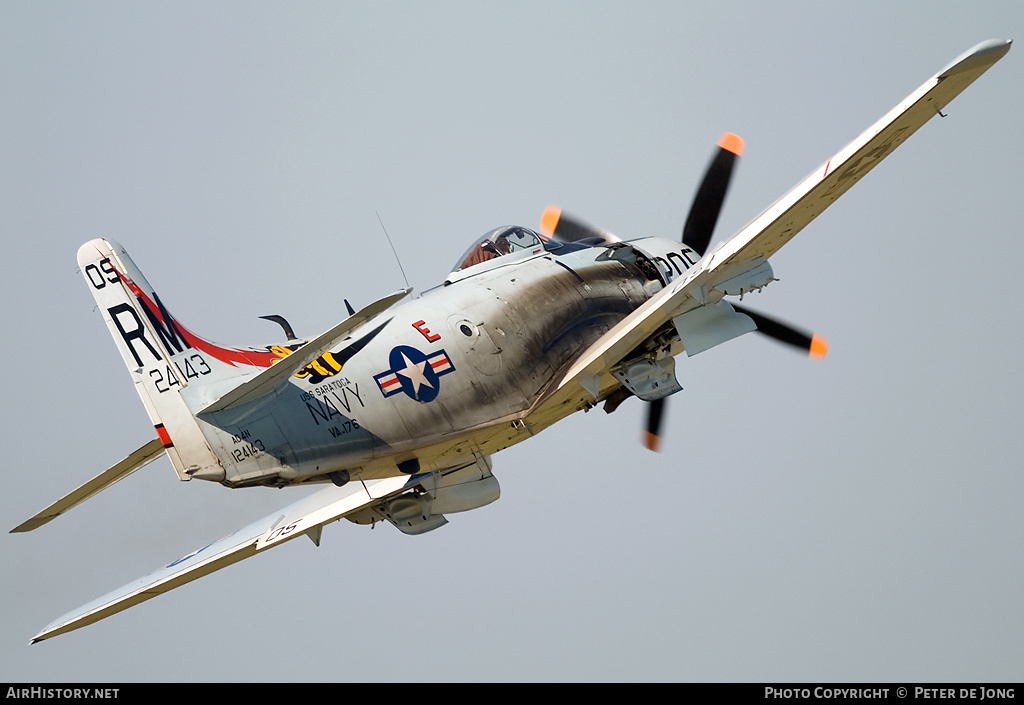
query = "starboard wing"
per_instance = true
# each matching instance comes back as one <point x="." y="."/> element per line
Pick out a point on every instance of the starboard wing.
<point x="305" y="517"/>
<point x="773" y="228"/>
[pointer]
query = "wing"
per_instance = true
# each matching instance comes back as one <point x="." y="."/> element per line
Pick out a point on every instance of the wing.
<point x="144" y="455"/>
<point x="738" y="262"/>
<point x="305" y="517"/>
<point x="277" y="374"/>
<point x="773" y="228"/>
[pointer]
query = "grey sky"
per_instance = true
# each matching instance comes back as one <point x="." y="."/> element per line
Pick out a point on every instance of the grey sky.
<point x="855" y="519"/>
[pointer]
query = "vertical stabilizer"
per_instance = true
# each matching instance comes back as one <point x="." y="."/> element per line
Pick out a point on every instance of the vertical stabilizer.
<point x="173" y="370"/>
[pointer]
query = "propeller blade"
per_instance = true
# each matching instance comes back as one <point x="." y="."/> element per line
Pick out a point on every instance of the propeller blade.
<point x="707" y="204"/>
<point x="564" y="228"/>
<point x="813" y="344"/>
<point x="655" y="412"/>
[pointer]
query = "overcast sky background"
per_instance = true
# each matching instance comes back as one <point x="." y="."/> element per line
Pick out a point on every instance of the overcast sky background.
<point x="855" y="519"/>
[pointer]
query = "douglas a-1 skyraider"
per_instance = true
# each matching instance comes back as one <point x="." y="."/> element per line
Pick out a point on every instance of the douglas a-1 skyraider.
<point x="398" y="409"/>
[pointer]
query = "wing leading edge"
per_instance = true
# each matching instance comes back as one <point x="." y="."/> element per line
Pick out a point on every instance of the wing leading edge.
<point x="305" y="517"/>
<point x="749" y="248"/>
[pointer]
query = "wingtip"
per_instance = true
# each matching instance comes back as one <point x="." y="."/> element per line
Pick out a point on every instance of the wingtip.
<point x="980" y="55"/>
<point x="32" y="524"/>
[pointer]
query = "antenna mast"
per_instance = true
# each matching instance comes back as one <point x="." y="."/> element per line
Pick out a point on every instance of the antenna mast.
<point x="402" y="269"/>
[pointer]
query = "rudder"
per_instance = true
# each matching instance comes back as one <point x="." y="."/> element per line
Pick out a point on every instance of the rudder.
<point x="174" y="371"/>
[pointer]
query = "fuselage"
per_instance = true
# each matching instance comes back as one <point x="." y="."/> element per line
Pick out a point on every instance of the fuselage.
<point x="444" y="377"/>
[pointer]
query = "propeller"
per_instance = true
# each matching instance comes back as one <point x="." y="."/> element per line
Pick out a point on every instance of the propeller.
<point x="651" y="436"/>
<point x="811" y="343"/>
<point x="697" y="232"/>
<point x="564" y="228"/>
<point x="707" y="204"/>
<point x="700" y="224"/>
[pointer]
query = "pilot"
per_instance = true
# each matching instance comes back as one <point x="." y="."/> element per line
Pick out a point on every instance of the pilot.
<point x="486" y="250"/>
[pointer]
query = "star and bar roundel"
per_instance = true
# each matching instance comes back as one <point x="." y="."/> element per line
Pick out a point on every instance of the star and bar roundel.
<point x="414" y="373"/>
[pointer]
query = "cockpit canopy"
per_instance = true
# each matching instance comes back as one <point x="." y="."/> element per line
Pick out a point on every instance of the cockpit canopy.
<point x="501" y="242"/>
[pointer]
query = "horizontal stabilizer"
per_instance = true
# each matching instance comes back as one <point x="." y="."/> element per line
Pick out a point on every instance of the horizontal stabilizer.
<point x="146" y="454"/>
<point x="303" y="517"/>
<point x="277" y="374"/>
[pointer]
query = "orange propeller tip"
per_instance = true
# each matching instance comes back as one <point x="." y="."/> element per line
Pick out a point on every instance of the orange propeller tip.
<point x="549" y="221"/>
<point x="732" y="143"/>
<point x="652" y="442"/>
<point x="819" y="346"/>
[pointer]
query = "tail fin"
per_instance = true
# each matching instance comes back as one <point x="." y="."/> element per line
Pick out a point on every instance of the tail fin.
<point x="174" y="370"/>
